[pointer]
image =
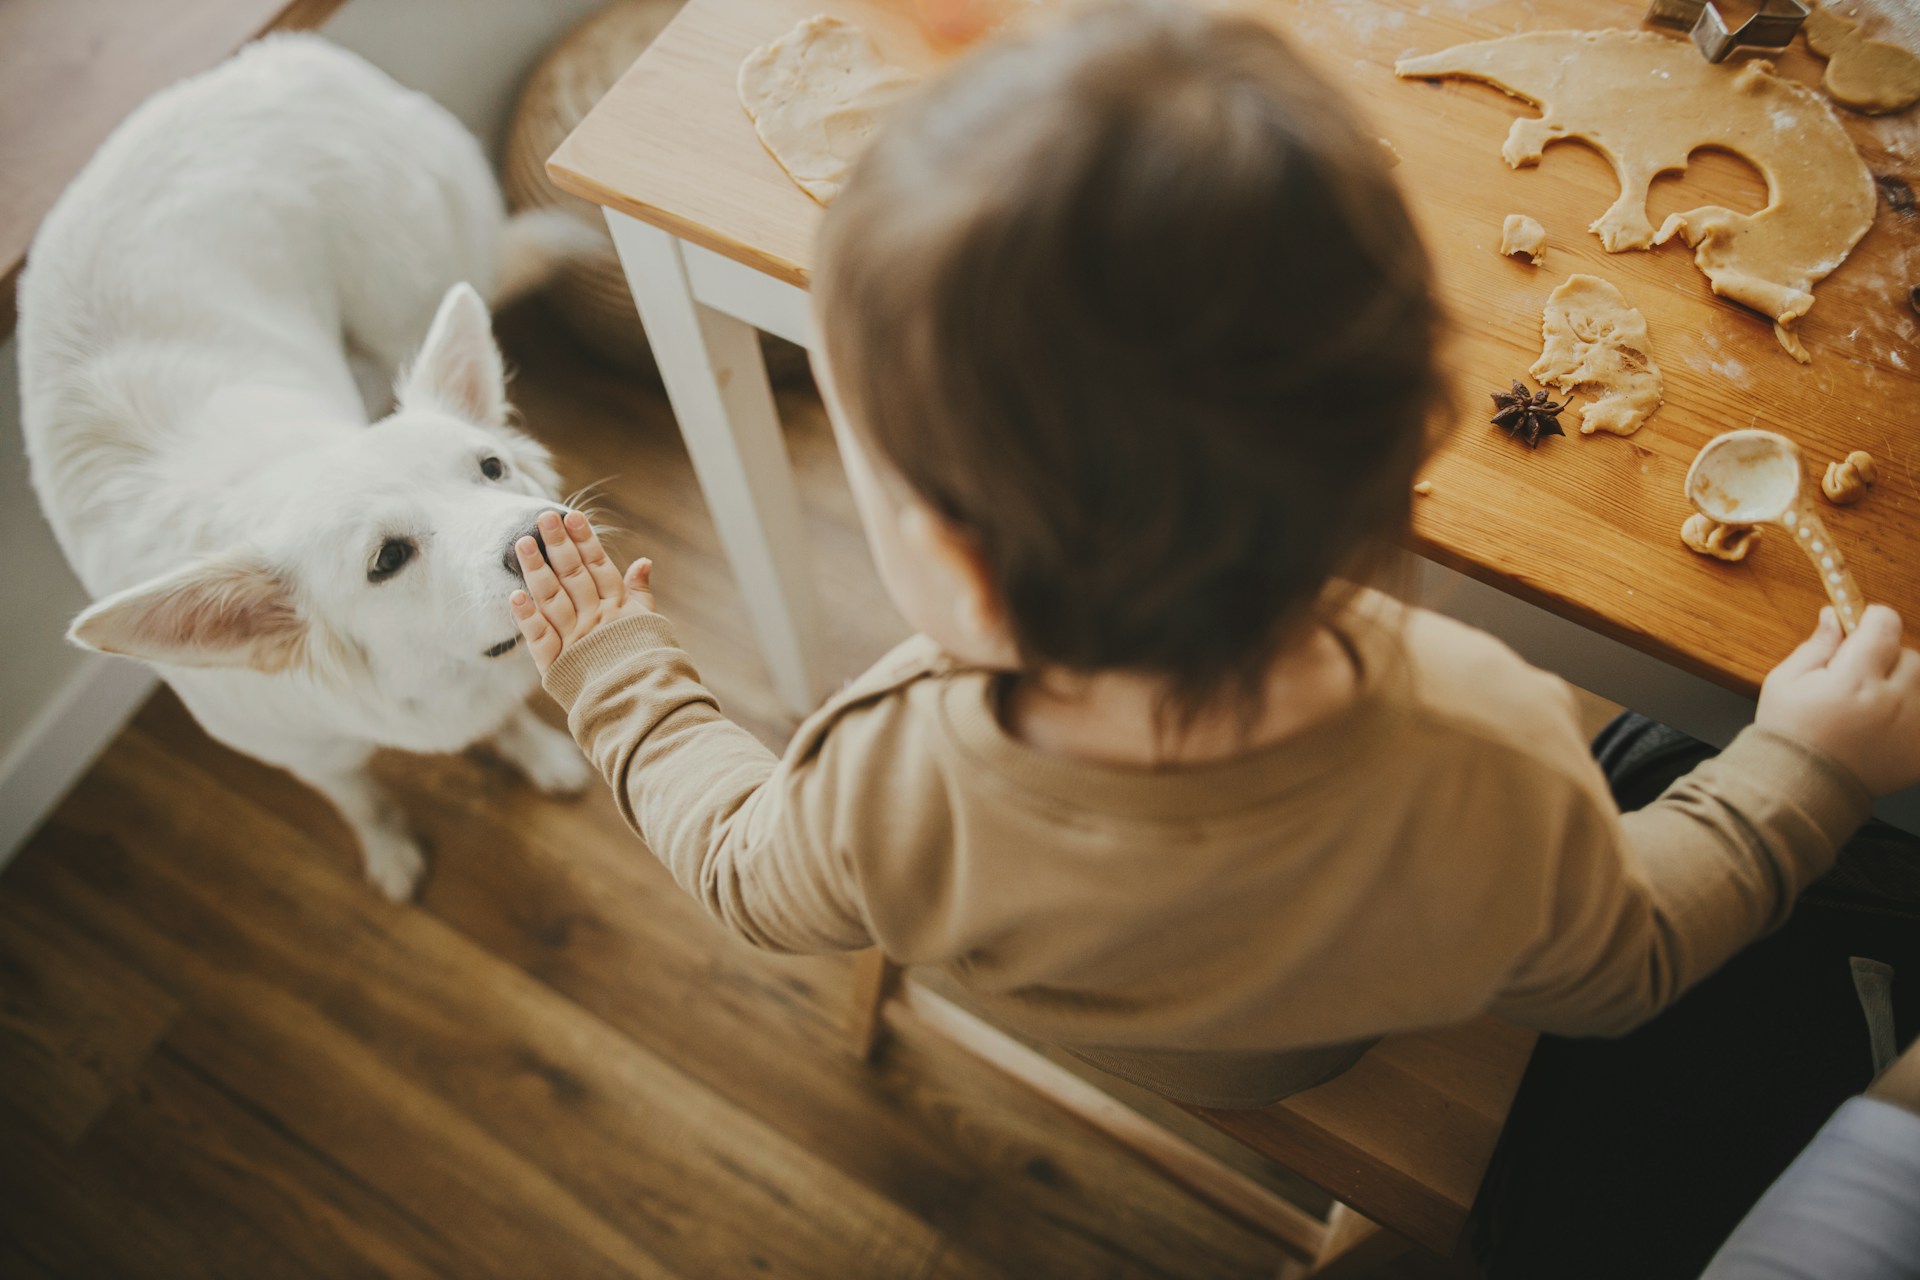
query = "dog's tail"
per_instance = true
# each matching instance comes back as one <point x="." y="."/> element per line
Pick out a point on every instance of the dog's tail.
<point x="536" y="245"/>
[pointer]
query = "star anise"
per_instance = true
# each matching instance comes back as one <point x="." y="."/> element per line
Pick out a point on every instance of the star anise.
<point x="1527" y="417"/>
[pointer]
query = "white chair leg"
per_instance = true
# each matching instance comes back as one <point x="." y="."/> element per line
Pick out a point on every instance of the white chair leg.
<point x="717" y="383"/>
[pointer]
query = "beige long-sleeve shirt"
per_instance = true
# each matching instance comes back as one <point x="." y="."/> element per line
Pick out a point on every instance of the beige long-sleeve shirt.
<point x="1444" y="847"/>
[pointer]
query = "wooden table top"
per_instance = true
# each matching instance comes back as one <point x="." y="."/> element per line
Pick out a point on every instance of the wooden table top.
<point x="71" y="70"/>
<point x="1586" y="526"/>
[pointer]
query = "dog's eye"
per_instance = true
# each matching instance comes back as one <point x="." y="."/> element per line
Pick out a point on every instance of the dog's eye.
<point x="391" y="558"/>
<point x="492" y="468"/>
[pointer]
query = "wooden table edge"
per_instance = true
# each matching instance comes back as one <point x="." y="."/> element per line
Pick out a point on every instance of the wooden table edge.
<point x="1600" y="624"/>
<point x="576" y="183"/>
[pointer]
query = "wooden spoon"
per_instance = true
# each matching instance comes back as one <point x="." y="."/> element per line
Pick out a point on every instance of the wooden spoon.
<point x="1754" y="477"/>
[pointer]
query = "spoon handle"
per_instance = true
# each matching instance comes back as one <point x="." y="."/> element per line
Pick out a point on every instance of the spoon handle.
<point x="1810" y="531"/>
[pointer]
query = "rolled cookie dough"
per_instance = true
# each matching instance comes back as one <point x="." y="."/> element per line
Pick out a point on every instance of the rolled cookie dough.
<point x="1520" y="234"/>
<point x="1847" y="481"/>
<point x="816" y="95"/>
<point x="1595" y="345"/>
<point x="1708" y="537"/>
<point x="1645" y="102"/>
<point x="1870" y="76"/>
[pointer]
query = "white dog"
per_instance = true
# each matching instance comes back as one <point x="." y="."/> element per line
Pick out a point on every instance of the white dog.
<point x="195" y="314"/>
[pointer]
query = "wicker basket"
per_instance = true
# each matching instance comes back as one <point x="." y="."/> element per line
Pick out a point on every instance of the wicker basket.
<point x="591" y="294"/>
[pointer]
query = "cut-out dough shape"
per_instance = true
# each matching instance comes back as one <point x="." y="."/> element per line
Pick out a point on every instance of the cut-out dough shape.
<point x="1520" y="234"/>
<point x="1646" y="102"/>
<point x="815" y="96"/>
<point x="1870" y="76"/>
<point x="1595" y="345"/>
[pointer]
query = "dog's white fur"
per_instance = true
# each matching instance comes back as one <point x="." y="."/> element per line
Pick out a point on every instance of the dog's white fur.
<point x="192" y="318"/>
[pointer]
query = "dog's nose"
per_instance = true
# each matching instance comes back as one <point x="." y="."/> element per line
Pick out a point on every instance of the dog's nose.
<point x="510" y="559"/>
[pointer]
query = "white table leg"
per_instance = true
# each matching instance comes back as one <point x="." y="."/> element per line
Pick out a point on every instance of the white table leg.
<point x="717" y="383"/>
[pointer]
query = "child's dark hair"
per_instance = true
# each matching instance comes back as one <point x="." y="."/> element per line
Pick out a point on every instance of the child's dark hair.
<point x="1135" y="304"/>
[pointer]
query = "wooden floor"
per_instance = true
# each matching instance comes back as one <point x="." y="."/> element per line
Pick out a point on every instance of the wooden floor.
<point x="222" y="1054"/>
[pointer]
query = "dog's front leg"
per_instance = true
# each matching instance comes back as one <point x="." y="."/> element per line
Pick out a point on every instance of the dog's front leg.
<point x="393" y="858"/>
<point x="543" y="753"/>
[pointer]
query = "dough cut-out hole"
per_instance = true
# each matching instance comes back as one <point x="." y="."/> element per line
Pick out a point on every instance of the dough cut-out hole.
<point x="1713" y="176"/>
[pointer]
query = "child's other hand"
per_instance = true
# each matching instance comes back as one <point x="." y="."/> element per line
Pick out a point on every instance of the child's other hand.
<point x="574" y="589"/>
<point x="1856" y="698"/>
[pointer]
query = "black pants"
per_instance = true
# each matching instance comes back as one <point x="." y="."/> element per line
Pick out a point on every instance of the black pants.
<point x="1631" y="1159"/>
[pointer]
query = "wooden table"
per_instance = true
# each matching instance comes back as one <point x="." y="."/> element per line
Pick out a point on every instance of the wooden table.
<point x="1570" y="552"/>
<point x="71" y="70"/>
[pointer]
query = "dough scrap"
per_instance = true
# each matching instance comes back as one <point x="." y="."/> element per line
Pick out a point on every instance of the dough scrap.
<point x="1707" y="536"/>
<point x="1424" y="488"/>
<point x="1520" y="234"/>
<point x="1595" y="345"/>
<point x="1645" y="102"/>
<point x="816" y="96"/>
<point x="1847" y="482"/>
<point x="1870" y="76"/>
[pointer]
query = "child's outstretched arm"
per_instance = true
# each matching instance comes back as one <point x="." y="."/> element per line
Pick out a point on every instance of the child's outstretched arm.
<point x="1651" y="901"/>
<point x="746" y="834"/>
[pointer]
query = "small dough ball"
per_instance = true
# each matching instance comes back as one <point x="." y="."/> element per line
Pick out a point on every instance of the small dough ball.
<point x="1424" y="488"/>
<point x="1847" y="482"/>
<point x="1708" y="537"/>
<point x="1520" y="234"/>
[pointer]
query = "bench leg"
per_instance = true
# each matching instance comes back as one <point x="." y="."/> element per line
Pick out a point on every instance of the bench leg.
<point x="875" y="979"/>
<point x="717" y="383"/>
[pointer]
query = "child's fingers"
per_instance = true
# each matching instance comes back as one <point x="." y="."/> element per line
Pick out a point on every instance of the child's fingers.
<point x="565" y="559"/>
<point x="640" y="580"/>
<point x="1816" y="650"/>
<point x="543" y="642"/>
<point x="1874" y="646"/>
<point x="543" y="585"/>
<point x="594" y="556"/>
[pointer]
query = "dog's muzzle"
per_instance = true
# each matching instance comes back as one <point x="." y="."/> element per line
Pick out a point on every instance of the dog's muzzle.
<point x="510" y="558"/>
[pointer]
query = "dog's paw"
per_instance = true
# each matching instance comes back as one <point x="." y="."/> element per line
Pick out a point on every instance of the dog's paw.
<point x="395" y="865"/>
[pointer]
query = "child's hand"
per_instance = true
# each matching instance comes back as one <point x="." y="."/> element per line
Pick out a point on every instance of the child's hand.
<point x="1857" y="699"/>
<point x="574" y="590"/>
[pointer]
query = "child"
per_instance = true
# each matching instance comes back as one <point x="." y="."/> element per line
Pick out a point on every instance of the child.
<point x="1128" y="344"/>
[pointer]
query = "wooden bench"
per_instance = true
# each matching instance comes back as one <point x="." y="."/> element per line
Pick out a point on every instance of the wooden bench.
<point x="71" y="70"/>
<point x="1401" y="1141"/>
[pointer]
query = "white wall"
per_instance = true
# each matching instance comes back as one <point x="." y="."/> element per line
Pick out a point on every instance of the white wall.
<point x="470" y="55"/>
<point x="58" y="706"/>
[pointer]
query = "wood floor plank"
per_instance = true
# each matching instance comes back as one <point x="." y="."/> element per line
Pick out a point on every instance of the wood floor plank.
<point x="644" y="1146"/>
<point x="373" y="1116"/>
<point x="75" y="1023"/>
<point x="72" y="1217"/>
<point x="183" y="1127"/>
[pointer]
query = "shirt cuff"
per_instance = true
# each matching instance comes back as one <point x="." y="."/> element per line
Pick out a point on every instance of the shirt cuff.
<point x="616" y="644"/>
<point x="1804" y="777"/>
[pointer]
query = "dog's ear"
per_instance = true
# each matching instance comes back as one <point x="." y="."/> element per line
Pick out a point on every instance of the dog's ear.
<point x="228" y="612"/>
<point x="459" y="369"/>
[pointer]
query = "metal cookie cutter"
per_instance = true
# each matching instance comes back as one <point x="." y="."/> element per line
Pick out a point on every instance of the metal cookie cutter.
<point x="1771" y="28"/>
